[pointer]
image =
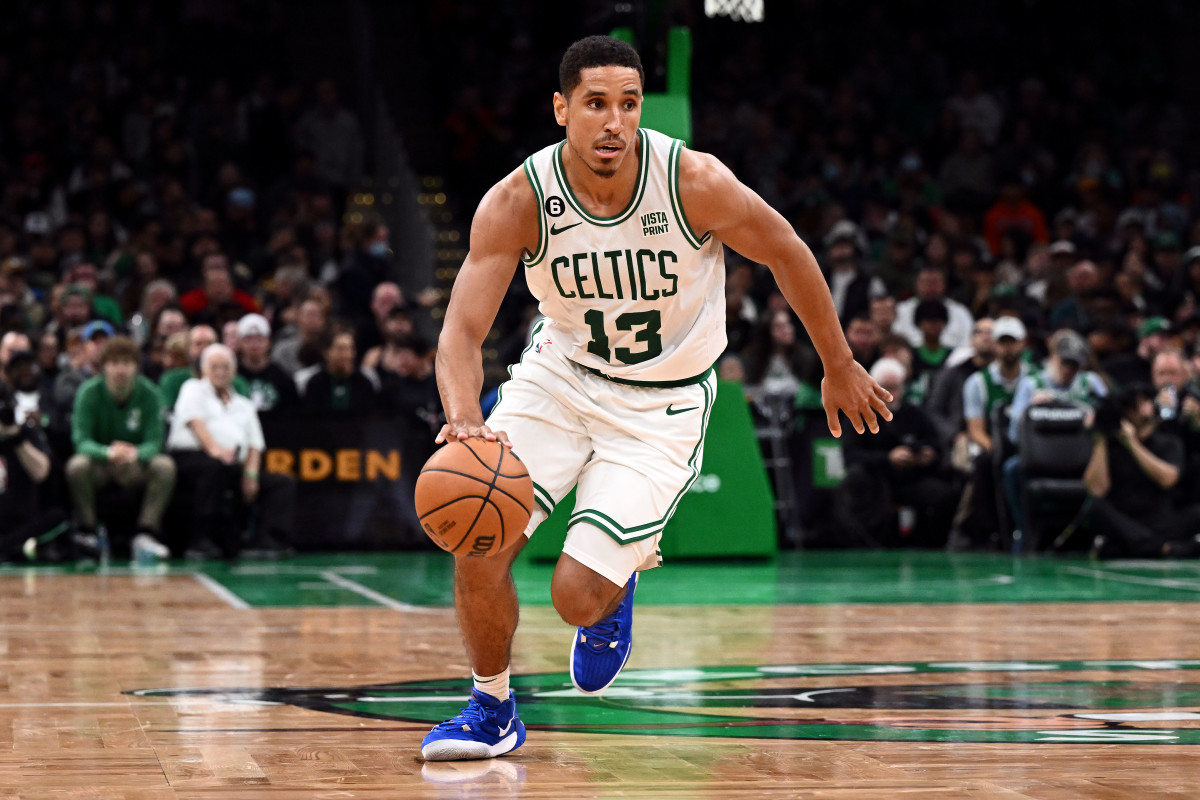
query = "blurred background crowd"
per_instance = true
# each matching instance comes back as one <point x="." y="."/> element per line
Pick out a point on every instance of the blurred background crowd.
<point x="1000" y="196"/>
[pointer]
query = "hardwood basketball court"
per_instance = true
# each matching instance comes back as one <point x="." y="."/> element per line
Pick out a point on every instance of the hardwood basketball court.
<point x="838" y="675"/>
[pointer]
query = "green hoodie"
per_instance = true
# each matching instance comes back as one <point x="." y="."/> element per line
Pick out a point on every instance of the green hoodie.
<point x="97" y="421"/>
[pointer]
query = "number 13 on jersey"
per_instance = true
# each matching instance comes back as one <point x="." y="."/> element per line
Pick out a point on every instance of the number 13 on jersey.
<point x="646" y="323"/>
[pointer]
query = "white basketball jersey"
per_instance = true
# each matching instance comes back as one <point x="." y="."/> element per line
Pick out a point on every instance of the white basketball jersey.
<point x="639" y="297"/>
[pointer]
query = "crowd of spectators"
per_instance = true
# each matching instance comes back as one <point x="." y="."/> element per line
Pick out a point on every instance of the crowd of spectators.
<point x="177" y="263"/>
<point x="995" y="231"/>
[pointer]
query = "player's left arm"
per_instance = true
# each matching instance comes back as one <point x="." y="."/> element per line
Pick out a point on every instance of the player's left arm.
<point x="715" y="201"/>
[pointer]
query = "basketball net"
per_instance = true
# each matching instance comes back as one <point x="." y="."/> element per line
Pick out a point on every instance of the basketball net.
<point x="737" y="10"/>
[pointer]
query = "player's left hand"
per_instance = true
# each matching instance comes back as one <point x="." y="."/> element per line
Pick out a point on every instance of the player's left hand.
<point x="849" y="389"/>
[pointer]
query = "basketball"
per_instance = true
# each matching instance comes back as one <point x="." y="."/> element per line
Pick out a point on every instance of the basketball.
<point x="474" y="498"/>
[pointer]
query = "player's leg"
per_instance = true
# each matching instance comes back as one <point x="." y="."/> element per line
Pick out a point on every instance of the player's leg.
<point x="485" y="599"/>
<point x="648" y="450"/>
<point x="551" y="441"/>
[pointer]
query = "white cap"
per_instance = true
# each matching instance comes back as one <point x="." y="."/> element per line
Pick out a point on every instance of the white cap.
<point x="253" y="325"/>
<point x="1008" y="326"/>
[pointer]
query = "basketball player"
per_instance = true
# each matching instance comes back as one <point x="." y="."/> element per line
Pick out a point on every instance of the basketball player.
<point x="619" y="232"/>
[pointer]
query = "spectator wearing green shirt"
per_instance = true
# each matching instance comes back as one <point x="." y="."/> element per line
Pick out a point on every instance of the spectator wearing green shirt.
<point x="117" y="430"/>
<point x="199" y="338"/>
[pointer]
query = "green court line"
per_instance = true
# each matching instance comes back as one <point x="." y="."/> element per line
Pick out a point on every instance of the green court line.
<point x="414" y="581"/>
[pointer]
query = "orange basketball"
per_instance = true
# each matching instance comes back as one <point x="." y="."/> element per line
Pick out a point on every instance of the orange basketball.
<point x="474" y="498"/>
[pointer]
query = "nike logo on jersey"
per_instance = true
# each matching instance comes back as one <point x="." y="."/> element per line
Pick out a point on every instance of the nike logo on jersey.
<point x="672" y="411"/>
<point x="555" y="230"/>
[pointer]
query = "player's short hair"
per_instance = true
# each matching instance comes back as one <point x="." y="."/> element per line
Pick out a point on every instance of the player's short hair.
<point x="596" y="51"/>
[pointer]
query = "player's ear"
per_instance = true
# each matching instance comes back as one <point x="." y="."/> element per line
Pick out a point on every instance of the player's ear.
<point x="560" y="109"/>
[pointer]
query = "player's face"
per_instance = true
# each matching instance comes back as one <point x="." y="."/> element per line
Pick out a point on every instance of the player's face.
<point x="601" y="117"/>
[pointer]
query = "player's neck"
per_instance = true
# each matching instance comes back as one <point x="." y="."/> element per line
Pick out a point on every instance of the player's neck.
<point x="603" y="195"/>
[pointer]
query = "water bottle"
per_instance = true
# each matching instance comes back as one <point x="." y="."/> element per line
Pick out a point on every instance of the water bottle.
<point x="907" y="518"/>
<point x="102" y="545"/>
<point x="1166" y="411"/>
<point x="143" y="556"/>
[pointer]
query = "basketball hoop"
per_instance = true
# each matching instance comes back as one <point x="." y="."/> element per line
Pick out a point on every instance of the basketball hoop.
<point x="736" y="10"/>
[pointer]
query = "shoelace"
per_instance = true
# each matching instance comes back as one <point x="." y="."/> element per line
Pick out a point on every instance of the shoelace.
<point x="468" y="718"/>
<point x="605" y="631"/>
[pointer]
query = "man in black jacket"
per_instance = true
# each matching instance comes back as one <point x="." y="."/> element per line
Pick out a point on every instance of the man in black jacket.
<point x="340" y="389"/>
<point x="25" y="529"/>
<point x="895" y="491"/>
<point x="1135" y="465"/>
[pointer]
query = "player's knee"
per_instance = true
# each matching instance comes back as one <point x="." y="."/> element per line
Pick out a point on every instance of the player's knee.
<point x="576" y="609"/>
<point x="580" y="603"/>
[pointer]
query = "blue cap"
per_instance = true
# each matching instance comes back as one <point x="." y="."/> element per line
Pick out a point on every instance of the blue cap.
<point x="97" y="326"/>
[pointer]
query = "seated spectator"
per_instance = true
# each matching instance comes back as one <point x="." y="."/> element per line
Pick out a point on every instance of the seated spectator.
<point x="863" y="337"/>
<point x="23" y="376"/>
<point x="987" y="389"/>
<point x="850" y="283"/>
<point x="894" y="491"/>
<point x="269" y="387"/>
<point x="104" y="306"/>
<point x="395" y="327"/>
<point x="50" y="362"/>
<point x="199" y="339"/>
<point x="169" y="321"/>
<point x="339" y="388"/>
<point x="311" y="321"/>
<point x="1064" y="379"/>
<point x="776" y="361"/>
<point x="217" y="298"/>
<point x="1128" y="369"/>
<point x="384" y="299"/>
<point x="217" y="441"/>
<point x="945" y="400"/>
<point x="117" y="430"/>
<point x="10" y="343"/>
<point x="930" y="284"/>
<point x="73" y="309"/>
<point x="26" y="531"/>
<point x="930" y="356"/>
<point x="1134" y="467"/>
<point x="84" y="364"/>
<point x="407" y="383"/>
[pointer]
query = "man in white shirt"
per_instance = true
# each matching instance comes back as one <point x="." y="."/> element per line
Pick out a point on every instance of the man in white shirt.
<point x="217" y="443"/>
<point x="930" y="284"/>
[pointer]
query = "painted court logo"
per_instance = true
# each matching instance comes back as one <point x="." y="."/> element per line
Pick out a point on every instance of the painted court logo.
<point x="1044" y="702"/>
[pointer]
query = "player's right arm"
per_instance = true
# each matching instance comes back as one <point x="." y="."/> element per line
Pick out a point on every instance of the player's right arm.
<point x="504" y="228"/>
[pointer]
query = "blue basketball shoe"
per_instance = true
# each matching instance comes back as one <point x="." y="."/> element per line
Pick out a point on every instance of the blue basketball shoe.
<point x="486" y="728"/>
<point x="601" y="650"/>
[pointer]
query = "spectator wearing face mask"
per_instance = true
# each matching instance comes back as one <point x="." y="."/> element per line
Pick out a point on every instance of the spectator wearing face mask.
<point x="368" y="264"/>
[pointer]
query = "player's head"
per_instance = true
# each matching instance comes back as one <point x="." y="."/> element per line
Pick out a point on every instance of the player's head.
<point x="600" y="102"/>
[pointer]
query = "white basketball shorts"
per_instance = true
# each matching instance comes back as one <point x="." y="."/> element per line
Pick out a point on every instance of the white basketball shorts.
<point x="630" y="451"/>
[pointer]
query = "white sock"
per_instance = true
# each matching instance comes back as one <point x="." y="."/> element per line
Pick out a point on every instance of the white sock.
<point x="496" y="685"/>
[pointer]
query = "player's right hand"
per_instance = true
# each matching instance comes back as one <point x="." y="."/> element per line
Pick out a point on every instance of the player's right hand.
<point x="462" y="430"/>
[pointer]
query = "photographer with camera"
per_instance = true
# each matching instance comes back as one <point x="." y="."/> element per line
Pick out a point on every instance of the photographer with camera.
<point x="25" y="530"/>
<point x="1130" y="478"/>
<point x="895" y="491"/>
